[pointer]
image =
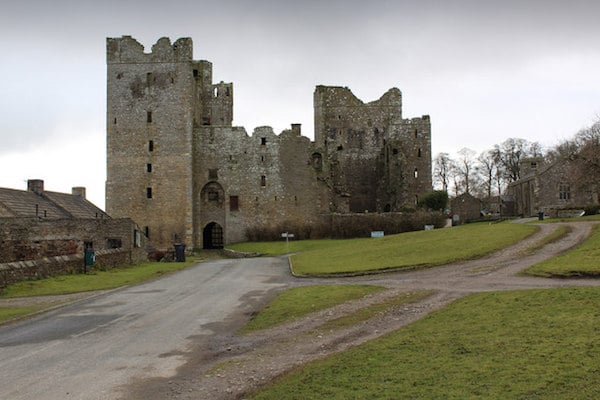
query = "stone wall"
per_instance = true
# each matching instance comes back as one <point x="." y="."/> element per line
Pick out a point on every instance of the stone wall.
<point x="27" y="239"/>
<point x="32" y="248"/>
<point x="17" y="271"/>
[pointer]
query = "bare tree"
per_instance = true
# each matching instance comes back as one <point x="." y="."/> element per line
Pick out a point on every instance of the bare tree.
<point x="442" y="167"/>
<point x="509" y="156"/>
<point x="465" y="167"/>
<point x="488" y="170"/>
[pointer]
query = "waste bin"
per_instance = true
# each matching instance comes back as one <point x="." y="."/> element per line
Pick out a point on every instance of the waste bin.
<point x="180" y="252"/>
<point x="541" y="215"/>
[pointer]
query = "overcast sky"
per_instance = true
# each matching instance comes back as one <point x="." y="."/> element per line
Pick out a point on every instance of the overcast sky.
<point x="483" y="70"/>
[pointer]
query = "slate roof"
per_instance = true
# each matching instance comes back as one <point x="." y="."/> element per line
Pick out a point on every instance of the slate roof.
<point x="47" y="205"/>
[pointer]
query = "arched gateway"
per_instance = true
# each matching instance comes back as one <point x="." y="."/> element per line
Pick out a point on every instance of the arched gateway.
<point x="213" y="236"/>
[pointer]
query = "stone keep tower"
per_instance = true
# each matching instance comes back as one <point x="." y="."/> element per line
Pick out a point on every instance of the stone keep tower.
<point x="154" y="101"/>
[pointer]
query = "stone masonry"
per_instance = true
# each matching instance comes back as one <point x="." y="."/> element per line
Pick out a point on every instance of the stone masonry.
<point x="177" y="166"/>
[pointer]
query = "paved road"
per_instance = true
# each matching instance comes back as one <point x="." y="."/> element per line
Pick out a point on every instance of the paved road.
<point x="89" y="349"/>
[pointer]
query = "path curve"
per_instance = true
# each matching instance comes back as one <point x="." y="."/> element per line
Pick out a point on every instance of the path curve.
<point x="227" y="366"/>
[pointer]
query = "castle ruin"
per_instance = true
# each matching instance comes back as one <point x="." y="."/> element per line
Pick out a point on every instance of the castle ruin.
<point x="177" y="166"/>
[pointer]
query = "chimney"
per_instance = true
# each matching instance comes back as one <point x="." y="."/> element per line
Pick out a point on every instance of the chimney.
<point x="78" y="191"/>
<point x="297" y="129"/>
<point x="35" y="185"/>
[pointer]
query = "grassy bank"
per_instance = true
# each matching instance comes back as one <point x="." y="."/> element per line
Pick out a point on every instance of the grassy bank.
<point x="535" y="344"/>
<point x="409" y="250"/>
<point x="94" y="280"/>
<point x="7" y="313"/>
<point x="297" y="302"/>
<point x="584" y="260"/>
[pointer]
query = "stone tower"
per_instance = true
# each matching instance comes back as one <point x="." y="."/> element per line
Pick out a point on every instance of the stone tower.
<point x="154" y="101"/>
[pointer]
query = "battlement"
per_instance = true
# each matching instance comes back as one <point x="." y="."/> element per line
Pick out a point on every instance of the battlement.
<point x="128" y="50"/>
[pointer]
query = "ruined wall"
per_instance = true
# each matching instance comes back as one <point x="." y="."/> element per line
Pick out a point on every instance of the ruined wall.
<point x="376" y="161"/>
<point x="242" y="181"/>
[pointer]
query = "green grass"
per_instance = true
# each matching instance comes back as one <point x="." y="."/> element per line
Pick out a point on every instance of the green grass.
<point x="8" y="313"/>
<point x="280" y="248"/>
<point x="595" y="217"/>
<point x="535" y="344"/>
<point x="95" y="280"/>
<point x="409" y="250"/>
<point x="560" y="232"/>
<point x="583" y="260"/>
<point x="298" y="302"/>
<point x="369" y="312"/>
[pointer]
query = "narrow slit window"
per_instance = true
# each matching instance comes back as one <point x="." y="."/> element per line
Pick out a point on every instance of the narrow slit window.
<point x="263" y="180"/>
<point x="149" y="193"/>
<point x="151" y="145"/>
<point x="263" y="141"/>
<point x="148" y="167"/>
<point x="148" y="116"/>
<point x="419" y="153"/>
<point x="234" y="203"/>
<point x="416" y="173"/>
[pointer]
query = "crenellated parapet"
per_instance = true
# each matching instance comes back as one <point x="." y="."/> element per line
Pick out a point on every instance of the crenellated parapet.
<point x="128" y="50"/>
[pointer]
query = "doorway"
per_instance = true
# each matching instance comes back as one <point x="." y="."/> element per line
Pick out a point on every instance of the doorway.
<point x="212" y="236"/>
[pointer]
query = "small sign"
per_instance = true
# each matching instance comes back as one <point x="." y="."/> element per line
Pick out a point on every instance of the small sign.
<point x="287" y="235"/>
<point x="376" y="234"/>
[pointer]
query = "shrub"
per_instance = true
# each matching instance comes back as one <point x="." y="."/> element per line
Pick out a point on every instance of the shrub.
<point x="346" y="226"/>
<point x="436" y="200"/>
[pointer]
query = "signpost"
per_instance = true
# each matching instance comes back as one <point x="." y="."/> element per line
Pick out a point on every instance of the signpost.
<point x="287" y="237"/>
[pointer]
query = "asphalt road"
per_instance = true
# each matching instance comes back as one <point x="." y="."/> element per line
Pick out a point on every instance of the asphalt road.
<point x="94" y="348"/>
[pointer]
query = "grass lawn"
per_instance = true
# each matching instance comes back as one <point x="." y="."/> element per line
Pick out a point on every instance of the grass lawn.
<point x="583" y="260"/>
<point x="534" y="344"/>
<point x="297" y="302"/>
<point x="95" y="280"/>
<point x="7" y="313"/>
<point x="280" y="247"/>
<point x="409" y="250"/>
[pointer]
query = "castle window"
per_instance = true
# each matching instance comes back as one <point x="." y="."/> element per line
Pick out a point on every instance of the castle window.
<point x="148" y="116"/>
<point x="216" y="92"/>
<point x="416" y="133"/>
<point x="394" y="151"/>
<point x="263" y="141"/>
<point x="263" y="180"/>
<point x="234" y="203"/>
<point x="148" y="192"/>
<point x="419" y="153"/>
<point x="195" y="74"/>
<point x="416" y="173"/>
<point x="149" y="78"/>
<point x="113" y="243"/>
<point x="262" y="158"/>
<point x="317" y="161"/>
<point x="227" y="93"/>
<point x="564" y="191"/>
<point x="213" y="174"/>
<point x="115" y="121"/>
<point x="148" y="167"/>
<point x="147" y="231"/>
<point x="119" y="75"/>
<point x="151" y="145"/>
<point x="340" y="148"/>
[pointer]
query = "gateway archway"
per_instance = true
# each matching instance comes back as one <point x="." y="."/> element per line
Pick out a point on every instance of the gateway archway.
<point x="212" y="236"/>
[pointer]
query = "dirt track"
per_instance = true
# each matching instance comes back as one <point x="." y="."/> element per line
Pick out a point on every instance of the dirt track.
<point x="226" y="365"/>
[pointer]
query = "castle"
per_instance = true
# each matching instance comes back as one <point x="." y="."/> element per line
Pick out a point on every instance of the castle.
<point x="177" y="166"/>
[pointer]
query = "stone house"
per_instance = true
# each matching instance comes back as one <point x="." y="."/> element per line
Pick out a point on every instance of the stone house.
<point x="465" y="208"/>
<point x="44" y="233"/>
<point x="548" y="188"/>
<point x="177" y="166"/>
